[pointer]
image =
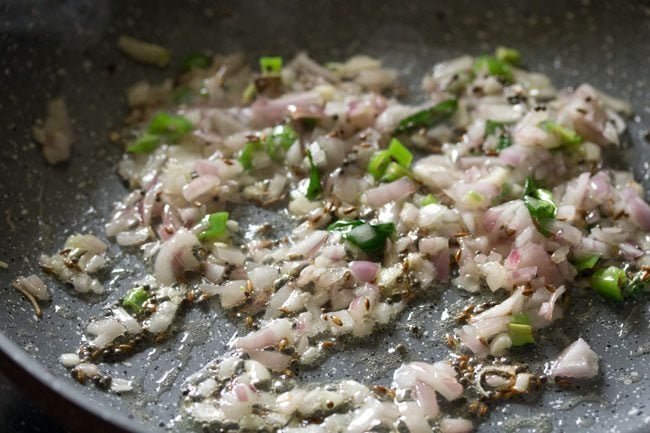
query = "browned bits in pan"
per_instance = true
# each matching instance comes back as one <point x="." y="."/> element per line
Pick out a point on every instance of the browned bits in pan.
<point x="451" y="341"/>
<point x="383" y="392"/>
<point x="563" y="383"/>
<point x="550" y="288"/>
<point x="528" y="289"/>
<point x="96" y="354"/>
<point x="478" y="408"/>
<point x="466" y="314"/>
<point x="79" y="376"/>
<point x="327" y="344"/>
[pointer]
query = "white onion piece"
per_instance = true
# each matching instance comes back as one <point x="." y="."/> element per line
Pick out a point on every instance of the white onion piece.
<point x="364" y="271"/>
<point x="133" y="238"/>
<point x="89" y="243"/>
<point x="88" y="370"/>
<point x="269" y="335"/>
<point x="308" y="246"/>
<point x="638" y="209"/>
<point x="511" y="305"/>
<point x="389" y="192"/>
<point x="202" y="188"/>
<point x="34" y="286"/>
<point x="122" y="220"/>
<point x="84" y="283"/>
<point x="500" y="344"/>
<point x="262" y="277"/>
<point x="228" y="255"/>
<point x="213" y="272"/>
<point x="162" y="318"/>
<point x="232" y="293"/>
<point x="191" y="215"/>
<point x="55" y="135"/>
<point x="532" y="254"/>
<point x="176" y="257"/>
<point x="425" y="396"/>
<point x="288" y="402"/>
<point x="630" y="251"/>
<point x="257" y="372"/>
<point x="441" y="376"/>
<point x="119" y="385"/>
<point x="413" y="417"/>
<point x="456" y="425"/>
<point x="514" y="155"/>
<point x="576" y="361"/>
<point x="468" y="337"/>
<point x="546" y="309"/>
<point x="70" y="360"/>
<point x="269" y="111"/>
<point x="272" y="360"/>
<point x="522" y="382"/>
<point x="130" y="324"/>
<point x="106" y="330"/>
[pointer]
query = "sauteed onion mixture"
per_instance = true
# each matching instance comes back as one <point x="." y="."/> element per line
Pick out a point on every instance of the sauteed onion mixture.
<point x="494" y="181"/>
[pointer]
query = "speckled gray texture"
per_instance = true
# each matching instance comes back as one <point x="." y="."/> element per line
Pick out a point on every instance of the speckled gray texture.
<point x="67" y="48"/>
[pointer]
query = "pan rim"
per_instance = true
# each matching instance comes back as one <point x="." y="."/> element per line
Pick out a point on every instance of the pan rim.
<point x="14" y="359"/>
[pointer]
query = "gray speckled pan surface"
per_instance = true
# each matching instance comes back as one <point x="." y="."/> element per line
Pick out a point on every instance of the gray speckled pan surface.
<point x="68" y="48"/>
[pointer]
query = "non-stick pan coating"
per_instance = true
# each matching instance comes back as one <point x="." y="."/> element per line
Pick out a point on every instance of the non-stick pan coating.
<point x="68" y="48"/>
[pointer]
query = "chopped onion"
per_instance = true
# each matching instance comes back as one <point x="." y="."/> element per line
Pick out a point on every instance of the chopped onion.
<point x="176" y="257"/>
<point x="576" y="361"/>
<point x="388" y="192"/>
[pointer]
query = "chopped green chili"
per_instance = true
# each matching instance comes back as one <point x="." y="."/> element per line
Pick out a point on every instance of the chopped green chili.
<point x="609" y="282"/>
<point x="146" y="143"/>
<point x="395" y="171"/>
<point x="493" y="66"/>
<point x="216" y="228"/>
<point x="499" y="129"/>
<point x="520" y="319"/>
<point x="135" y="299"/>
<point x="170" y="126"/>
<point x="520" y="334"/>
<point x="344" y="226"/>
<point x="638" y="283"/>
<point x="382" y="162"/>
<point x="400" y="153"/>
<point x="429" y="117"/>
<point x="370" y="238"/>
<point x="586" y="262"/>
<point x="279" y="141"/>
<point x="540" y="204"/>
<point x="314" y="188"/>
<point x="271" y="65"/>
<point x="379" y="163"/>
<point x="566" y="135"/>
<point x="508" y="55"/>
<point x="520" y="330"/>
<point x="163" y="126"/>
<point x="196" y="61"/>
<point x="428" y="199"/>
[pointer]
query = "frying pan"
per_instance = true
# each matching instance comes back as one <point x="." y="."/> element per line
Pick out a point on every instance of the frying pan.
<point x="68" y="48"/>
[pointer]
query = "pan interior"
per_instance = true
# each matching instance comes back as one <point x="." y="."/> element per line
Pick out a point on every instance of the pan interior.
<point x="69" y="49"/>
